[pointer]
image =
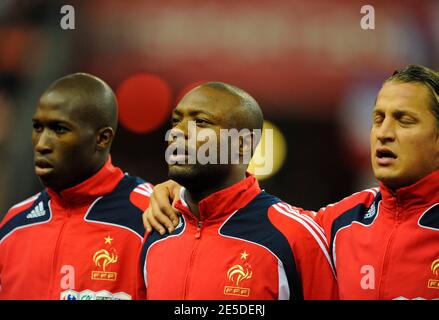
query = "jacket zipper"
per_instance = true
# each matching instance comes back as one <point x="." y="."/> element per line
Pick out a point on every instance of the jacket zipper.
<point x="55" y="258"/>
<point x="387" y="253"/>
<point x="198" y="233"/>
<point x="192" y="258"/>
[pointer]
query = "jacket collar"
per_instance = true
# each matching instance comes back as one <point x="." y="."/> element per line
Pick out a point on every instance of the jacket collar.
<point x="103" y="182"/>
<point x="222" y="203"/>
<point x="421" y="194"/>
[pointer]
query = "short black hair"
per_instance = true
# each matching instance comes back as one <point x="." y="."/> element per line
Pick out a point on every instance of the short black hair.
<point x="423" y="75"/>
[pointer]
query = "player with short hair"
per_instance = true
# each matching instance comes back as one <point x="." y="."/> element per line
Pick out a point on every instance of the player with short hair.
<point x="79" y="237"/>
<point x="233" y="240"/>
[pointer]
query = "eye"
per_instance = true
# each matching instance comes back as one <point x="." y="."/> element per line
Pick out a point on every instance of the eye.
<point x="377" y="119"/>
<point x="37" y="127"/>
<point x="175" y="121"/>
<point x="60" y="129"/>
<point x="201" y="121"/>
<point x="407" y="120"/>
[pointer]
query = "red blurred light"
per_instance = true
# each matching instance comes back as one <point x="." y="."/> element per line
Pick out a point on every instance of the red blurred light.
<point x="144" y="102"/>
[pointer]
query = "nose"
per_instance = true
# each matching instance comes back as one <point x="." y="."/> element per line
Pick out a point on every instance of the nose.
<point x="183" y="127"/>
<point x="386" y="131"/>
<point x="42" y="142"/>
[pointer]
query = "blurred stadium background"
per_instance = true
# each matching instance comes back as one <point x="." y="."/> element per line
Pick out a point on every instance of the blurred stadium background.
<point x="309" y="64"/>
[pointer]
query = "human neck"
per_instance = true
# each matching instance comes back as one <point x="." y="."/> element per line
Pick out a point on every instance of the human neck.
<point x="194" y="196"/>
<point x="87" y="174"/>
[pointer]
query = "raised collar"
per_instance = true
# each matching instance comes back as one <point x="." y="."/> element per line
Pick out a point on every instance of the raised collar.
<point x="103" y="182"/>
<point x="421" y="194"/>
<point x="224" y="202"/>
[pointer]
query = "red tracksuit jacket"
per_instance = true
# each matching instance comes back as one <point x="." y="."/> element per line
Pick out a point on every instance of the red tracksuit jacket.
<point x="247" y="245"/>
<point x="385" y="245"/>
<point x="82" y="243"/>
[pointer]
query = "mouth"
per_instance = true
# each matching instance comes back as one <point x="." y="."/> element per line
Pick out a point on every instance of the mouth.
<point x="178" y="156"/>
<point x="181" y="155"/>
<point x="42" y="167"/>
<point x="385" y="156"/>
<point x="175" y="159"/>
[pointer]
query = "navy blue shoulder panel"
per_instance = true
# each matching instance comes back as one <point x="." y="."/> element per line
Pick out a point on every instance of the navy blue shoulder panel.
<point x="37" y="213"/>
<point x="430" y="219"/>
<point x="251" y="223"/>
<point x="154" y="236"/>
<point x="360" y="213"/>
<point x="116" y="207"/>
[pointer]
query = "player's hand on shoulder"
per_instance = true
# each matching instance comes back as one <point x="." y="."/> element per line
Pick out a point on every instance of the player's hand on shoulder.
<point x="161" y="215"/>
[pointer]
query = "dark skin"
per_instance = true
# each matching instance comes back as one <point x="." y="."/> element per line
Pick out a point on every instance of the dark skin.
<point x="208" y="108"/>
<point x="69" y="145"/>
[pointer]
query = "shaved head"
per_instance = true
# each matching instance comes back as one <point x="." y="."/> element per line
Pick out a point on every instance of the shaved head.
<point x="73" y="127"/>
<point x="227" y="118"/>
<point x="92" y="99"/>
<point x="248" y="114"/>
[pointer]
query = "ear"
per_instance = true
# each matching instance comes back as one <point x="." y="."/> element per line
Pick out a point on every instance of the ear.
<point x="104" y="138"/>
<point x="246" y="144"/>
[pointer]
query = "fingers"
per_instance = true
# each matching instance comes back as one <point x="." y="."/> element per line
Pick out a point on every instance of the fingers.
<point x="162" y="196"/>
<point x="174" y="215"/>
<point x="155" y="224"/>
<point x="146" y="223"/>
<point x="166" y="212"/>
<point x="175" y="196"/>
<point x="159" y="215"/>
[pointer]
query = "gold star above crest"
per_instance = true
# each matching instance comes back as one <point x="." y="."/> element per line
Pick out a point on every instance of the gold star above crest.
<point x="108" y="240"/>
<point x="244" y="255"/>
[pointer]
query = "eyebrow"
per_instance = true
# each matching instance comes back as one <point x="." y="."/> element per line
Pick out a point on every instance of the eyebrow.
<point x="53" y="122"/>
<point x="399" y="112"/>
<point x="194" y="113"/>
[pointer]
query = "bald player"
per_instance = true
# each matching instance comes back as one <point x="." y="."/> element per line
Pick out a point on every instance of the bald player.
<point x="233" y="240"/>
<point x="80" y="236"/>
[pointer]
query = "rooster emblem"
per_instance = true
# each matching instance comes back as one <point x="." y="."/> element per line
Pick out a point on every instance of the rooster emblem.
<point x="103" y="258"/>
<point x="435" y="267"/>
<point x="237" y="273"/>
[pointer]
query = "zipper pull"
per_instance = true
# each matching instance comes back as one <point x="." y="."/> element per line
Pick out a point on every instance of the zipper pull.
<point x="198" y="233"/>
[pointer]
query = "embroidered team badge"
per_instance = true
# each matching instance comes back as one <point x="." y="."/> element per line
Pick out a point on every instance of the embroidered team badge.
<point x="236" y="275"/>
<point x="434" y="283"/>
<point x="102" y="259"/>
